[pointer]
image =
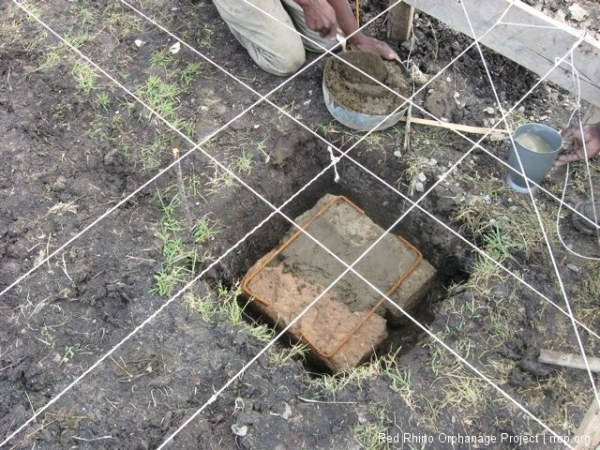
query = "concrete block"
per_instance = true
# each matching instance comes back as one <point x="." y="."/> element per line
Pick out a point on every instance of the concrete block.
<point x="342" y="326"/>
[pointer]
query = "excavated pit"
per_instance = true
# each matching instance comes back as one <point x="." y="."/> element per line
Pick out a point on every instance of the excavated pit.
<point x="346" y="325"/>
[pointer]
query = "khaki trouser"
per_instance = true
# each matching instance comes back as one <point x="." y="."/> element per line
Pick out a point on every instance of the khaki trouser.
<point x="275" y="47"/>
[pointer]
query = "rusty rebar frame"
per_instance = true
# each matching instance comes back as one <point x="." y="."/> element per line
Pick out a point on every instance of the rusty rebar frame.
<point x="247" y="280"/>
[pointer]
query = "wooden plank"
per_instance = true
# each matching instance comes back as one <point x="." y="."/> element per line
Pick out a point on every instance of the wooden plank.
<point x="587" y="436"/>
<point x="568" y="360"/>
<point x="400" y="21"/>
<point x="521" y="39"/>
<point x="456" y="126"/>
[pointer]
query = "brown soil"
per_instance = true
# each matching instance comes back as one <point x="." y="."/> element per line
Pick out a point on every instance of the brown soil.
<point x="357" y="92"/>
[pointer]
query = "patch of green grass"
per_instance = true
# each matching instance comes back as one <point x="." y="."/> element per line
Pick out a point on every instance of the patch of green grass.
<point x="205" y="230"/>
<point x="368" y="432"/>
<point x="484" y="274"/>
<point x="339" y="381"/>
<point x="261" y="332"/>
<point x="280" y="356"/>
<point x="230" y="304"/>
<point x="500" y="245"/>
<point x="187" y="127"/>
<point x="244" y="163"/>
<point x="586" y="307"/>
<point x="190" y="72"/>
<point x="162" y="58"/>
<point x="167" y="280"/>
<point x="179" y="260"/>
<point x="328" y="130"/>
<point x="205" y="306"/>
<point x="416" y="164"/>
<point x="153" y="154"/>
<point x="85" y="76"/>
<point x="102" y="100"/>
<point x="400" y="382"/>
<point x="70" y="352"/>
<point x="206" y="37"/>
<point x="466" y="392"/>
<point x="580" y="181"/>
<point x="220" y="179"/>
<point x="120" y="21"/>
<point x="161" y="96"/>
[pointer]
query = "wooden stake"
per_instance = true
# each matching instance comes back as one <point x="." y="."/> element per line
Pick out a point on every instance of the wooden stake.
<point x="568" y="360"/>
<point x="399" y="21"/>
<point x="587" y="436"/>
<point x="458" y="127"/>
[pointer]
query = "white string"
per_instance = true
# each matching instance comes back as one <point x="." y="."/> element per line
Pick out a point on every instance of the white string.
<point x="557" y="63"/>
<point x="212" y="399"/>
<point x="576" y="78"/>
<point x="499" y="21"/>
<point x="166" y="122"/>
<point x="283" y="111"/>
<point x="537" y="212"/>
<point x="201" y="149"/>
<point x="334" y="161"/>
<point x="350" y="268"/>
<point x="196" y="146"/>
<point x="158" y="175"/>
<point x="346" y="154"/>
<point x="261" y="97"/>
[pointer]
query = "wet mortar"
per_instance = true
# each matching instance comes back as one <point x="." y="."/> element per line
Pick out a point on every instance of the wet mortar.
<point x="357" y="92"/>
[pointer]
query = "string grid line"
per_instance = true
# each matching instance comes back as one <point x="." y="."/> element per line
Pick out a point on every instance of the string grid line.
<point x="347" y="156"/>
<point x="282" y="206"/>
<point x="535" y="207"/>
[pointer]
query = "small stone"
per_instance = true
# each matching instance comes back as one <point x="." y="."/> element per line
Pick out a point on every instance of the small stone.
<point x="287" y="412"/>
<point x="578" y="14"/>
<point x="573" y="267"/>
<point x="489" y="110"/>
<point x="398" y="154"/>
<point x="239" y="431"/>
<point x="422" y="177"/>
<point x="433" y="162"/>
<point x="419" y="187"/>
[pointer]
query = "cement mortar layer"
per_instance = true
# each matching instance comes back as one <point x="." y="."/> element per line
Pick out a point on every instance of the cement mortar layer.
<point x="325" y="325"/>
<point x="356" y="92"/>
<point x="348" y="233"/>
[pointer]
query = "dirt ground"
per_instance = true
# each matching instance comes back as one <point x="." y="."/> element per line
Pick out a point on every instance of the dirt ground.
<point x="75" y="145"/>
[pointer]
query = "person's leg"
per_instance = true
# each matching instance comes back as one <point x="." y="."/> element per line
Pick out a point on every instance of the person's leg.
<point x="276" y="48"/>
<point x="297" y="16"/>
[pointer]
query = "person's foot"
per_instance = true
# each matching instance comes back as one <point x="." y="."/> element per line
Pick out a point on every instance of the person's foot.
<point x="586" y="209"/>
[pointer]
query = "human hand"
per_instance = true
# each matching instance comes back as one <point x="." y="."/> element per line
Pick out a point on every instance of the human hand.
<point x="591" y="137"/>
<point x="320" y="17"/>
<point x="368" y="44"/>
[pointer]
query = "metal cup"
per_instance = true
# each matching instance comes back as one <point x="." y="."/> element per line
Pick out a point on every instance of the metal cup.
<point x="536" y="165"/>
